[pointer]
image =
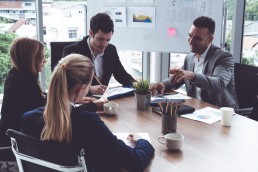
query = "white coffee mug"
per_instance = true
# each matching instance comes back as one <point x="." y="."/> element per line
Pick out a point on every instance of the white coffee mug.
<point x="226" y="115"/>
<point x="110" y="108"/>
<point x="173" y="141"/>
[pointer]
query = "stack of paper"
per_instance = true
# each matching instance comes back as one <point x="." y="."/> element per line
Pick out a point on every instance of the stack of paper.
<point x="159" y="99"/>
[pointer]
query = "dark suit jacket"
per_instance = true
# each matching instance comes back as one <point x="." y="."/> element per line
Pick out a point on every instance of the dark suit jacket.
<point x="21" y="94"/>
<point x="217" y="82"/>
<point x="103" y="151"/>
<point x="111" y="62"/>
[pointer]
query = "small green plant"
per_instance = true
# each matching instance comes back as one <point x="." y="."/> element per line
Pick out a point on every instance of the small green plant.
<point x="141" y="86"/>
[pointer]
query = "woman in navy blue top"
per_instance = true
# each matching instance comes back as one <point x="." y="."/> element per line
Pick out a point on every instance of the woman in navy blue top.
<point x="62" y="122"/>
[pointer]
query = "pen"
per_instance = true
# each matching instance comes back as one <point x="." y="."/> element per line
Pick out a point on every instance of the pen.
<point x="97" y="79"/>
<point x="105" y="94"/>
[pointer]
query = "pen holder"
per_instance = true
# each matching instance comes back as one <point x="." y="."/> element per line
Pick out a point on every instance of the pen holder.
<point x="169" y="124"/>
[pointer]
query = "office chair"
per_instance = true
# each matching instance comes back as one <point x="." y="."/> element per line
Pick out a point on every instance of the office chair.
<point x="33" y="155"/>
<point x="6" y="154"/>
<point x="56" y="51"/>
<point x="254" y="113"/>
<point x="246" y="84"/>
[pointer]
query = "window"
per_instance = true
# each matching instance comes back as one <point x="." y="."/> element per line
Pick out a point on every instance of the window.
<point x="177" y="60"/>
<point x="132" y="62"/>
<point x="73" y="29"/>
<point x="19" y="21"/>
<point x="44" y="31"/>
<point x="27" y="4"/>
<point x="250" y="35"/>
<point x="72" y="34"/>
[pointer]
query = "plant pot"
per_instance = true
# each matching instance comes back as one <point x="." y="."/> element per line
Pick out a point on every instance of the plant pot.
<point x="142" y="101"/>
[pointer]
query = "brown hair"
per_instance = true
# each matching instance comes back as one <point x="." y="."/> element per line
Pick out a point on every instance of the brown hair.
<point x="26" y="55"/>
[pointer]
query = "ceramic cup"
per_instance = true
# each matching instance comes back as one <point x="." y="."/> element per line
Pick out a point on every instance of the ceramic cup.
<point x="173" y="141"/>
<point x="110" y="108"/>
<point x="226" y="115"/>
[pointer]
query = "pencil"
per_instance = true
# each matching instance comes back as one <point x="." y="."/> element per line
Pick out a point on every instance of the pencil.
<point x="97" y="79"/>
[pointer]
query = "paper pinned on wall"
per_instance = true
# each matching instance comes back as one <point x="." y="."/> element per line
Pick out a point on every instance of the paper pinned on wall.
<point x="171" y="31"/>
<point x="142" y="17"/>
<point x="117" y="14"/>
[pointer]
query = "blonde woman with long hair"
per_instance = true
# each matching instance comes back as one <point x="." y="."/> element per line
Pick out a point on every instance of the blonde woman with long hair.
<point x="22" y="91"/>
<point x="62" y="122"/>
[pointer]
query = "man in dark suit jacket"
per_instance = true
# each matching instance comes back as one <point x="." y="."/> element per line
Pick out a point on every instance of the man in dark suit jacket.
<point x="208" y="71"/>
<point x="104" y="55"/>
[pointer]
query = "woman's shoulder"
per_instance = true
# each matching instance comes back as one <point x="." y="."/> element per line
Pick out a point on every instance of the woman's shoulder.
<point x="82" y="113"/>
<point x="33" y="113"/>
<point x="16" y="78"/>
<point x="32" y="122"/>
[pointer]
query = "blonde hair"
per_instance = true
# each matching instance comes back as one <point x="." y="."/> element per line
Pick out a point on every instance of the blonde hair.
<point x="71" y="70"/>
<point x="26" y="55"/>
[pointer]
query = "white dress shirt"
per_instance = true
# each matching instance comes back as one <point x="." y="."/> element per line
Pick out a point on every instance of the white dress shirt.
<point x="198" y="68"/>
<point x="98" y="62"/>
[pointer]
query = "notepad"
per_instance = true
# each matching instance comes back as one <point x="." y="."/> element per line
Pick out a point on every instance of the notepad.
<point x="123" y="137"/>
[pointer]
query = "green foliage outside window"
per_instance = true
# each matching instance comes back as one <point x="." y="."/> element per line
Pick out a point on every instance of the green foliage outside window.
<point x="5" y="61"/>
<point x="47" y="66"/>
<point x="248" y="61"/>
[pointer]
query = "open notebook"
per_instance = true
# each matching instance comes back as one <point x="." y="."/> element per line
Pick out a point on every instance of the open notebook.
<point x="115" y="92"/>
<point x="123" y="137"/>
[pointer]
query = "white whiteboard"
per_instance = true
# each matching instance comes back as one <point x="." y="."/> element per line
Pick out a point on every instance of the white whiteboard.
<point x="169" y="14"/>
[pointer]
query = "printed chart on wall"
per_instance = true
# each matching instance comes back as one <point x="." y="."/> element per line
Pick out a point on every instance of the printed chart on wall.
<point x="156" y="25"/>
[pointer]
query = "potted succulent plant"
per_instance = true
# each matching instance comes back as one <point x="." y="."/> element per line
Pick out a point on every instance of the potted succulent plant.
<point x="142" y="94"/>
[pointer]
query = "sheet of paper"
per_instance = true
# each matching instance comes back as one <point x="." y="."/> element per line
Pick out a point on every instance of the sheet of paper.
<point x="123" y="137"/>
<point x="117" y="14"/>
<point x="207" y="115"/>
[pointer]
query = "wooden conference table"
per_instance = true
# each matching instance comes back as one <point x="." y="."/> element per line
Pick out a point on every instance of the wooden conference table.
<point x="207" y="147"/>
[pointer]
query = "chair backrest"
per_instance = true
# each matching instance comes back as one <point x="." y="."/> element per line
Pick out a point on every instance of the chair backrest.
<point x="254" y="113"/>
<point x="6" y="154"/>
<point x="56" y="50"/>
<point x="33" y="155"/>
<point x="246" y="80"/>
